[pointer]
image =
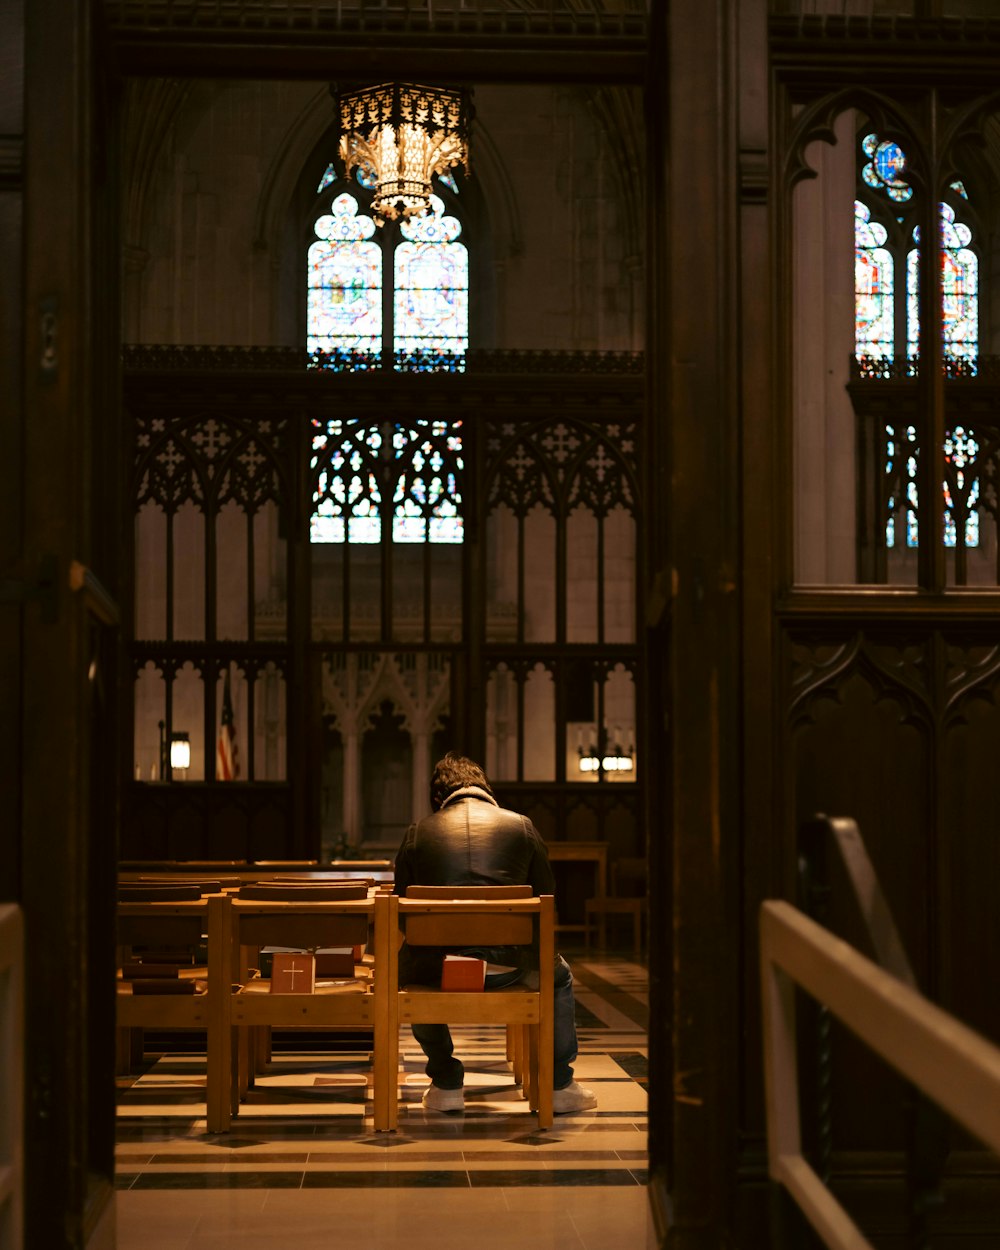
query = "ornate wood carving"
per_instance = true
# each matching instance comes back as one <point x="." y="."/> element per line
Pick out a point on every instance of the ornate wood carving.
<point x="216" y="426"/>
<point x="896" y="724"/>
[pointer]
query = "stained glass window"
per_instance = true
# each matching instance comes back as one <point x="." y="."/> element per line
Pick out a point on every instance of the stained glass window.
<point x="874" y="320"/>
<point x="901" y="451"/>
<point x="366" y="472"/>
<point x="959" y="292"/>
<point x="960" y="490"/>
<point x="419" y="464"/>
<point x="431" y="285"/>
<point x="345" y="282"/>
<point x="913" y="300"/>
<point x="960" y="452"/>
<point x="882" y="165"/>
<point x="426" y="314"/>
<point x="959" y="289"/>
<point x="877" y="327"/>
<point x="884" y="168"/>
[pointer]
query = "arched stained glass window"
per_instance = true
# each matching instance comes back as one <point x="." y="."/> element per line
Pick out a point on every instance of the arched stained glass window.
<point x="874" y="318"/>
<point x="431" y="272"/>
<point x="959" y="292"/>
<point x="424" y="313"/>
<point x="882" y="166"/>
<point x="358" y="466"/>
<point x="421" y="307"/>
<point x="345" y="282"/>
<point x="959" y="289"/>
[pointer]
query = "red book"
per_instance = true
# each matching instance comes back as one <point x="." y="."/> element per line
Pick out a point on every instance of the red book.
<point x="463" y="972"/>
<point x="293" y="972"/>
<point x="335" y="961"/>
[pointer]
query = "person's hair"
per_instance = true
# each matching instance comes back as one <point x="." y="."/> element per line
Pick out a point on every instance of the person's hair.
<point x="454" y="772"/>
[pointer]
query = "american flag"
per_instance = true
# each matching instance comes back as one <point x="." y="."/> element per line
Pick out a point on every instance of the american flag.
<point x="227" y="756"/>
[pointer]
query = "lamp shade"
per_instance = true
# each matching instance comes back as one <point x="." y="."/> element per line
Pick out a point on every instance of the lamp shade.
<point x="180" y="751"/>
<point x="404" y="134"/>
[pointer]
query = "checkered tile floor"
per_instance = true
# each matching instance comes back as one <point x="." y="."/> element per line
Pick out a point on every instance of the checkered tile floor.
<point x="486" y="1176"/>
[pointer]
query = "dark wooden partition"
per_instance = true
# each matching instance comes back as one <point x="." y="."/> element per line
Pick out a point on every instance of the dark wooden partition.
<point x="558" y="430"/>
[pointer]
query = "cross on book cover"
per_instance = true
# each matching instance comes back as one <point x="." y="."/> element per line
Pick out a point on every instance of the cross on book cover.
<point x="293" y="972"/>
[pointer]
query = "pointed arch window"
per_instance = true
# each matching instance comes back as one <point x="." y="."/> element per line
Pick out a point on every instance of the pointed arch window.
<point x="431" y="288"/>
<point x="886" y="238"/>
<point x="874" y="282"/>
<point x="391" y="297"/>
<point x="344" y="314"/>
<point x="887" y="243"/>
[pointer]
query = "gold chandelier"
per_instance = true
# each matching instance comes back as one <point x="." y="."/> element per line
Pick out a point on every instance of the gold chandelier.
<point x="403" y="134"/>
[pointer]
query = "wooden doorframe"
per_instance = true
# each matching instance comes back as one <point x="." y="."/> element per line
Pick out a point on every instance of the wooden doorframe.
<point x="69" y="468"/>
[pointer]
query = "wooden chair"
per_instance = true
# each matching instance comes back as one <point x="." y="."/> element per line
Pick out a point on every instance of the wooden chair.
<point x="626" y="871"/>
<point x="328" y="917"/>
<point x="182" y="925"/>
<point x="475" y="917"/>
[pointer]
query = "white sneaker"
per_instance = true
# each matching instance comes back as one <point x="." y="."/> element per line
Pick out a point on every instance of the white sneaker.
<point x="573" y="1097"/>
<point x="437" y="1099"/>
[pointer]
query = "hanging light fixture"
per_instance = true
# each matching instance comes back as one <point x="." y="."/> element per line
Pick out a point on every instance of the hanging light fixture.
<point x="403" y="134"/>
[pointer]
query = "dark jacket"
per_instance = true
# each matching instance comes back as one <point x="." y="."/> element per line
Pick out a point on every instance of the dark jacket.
<point x="470" y="840"/>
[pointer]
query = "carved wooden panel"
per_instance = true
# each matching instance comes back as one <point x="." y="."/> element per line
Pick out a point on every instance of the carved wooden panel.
<point x="225" y="434"/>
<point x="898" y="726"/>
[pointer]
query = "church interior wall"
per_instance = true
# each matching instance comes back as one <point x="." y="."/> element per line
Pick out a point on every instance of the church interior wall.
<point x="219" y="226"/>
<point x="222" y="263"/>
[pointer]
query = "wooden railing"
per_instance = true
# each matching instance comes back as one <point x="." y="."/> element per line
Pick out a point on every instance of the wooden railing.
<point x="12" y="1071"/>
<point x="943" y="1058"/>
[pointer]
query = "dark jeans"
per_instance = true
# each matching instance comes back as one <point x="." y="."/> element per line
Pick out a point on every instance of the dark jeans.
<point x="447" y="1072"/>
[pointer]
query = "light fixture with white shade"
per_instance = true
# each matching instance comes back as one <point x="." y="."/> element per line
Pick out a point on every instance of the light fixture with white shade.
<point x="180" y="751"/>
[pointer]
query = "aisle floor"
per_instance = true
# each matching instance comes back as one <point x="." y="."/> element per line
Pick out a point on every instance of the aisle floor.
<point x="302" y="1165"/>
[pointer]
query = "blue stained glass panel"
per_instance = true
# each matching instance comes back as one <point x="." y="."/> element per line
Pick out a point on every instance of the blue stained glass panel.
<point x="329" y="176"/>
<point x="885" y="168"/>
<point x="889" y="161"/>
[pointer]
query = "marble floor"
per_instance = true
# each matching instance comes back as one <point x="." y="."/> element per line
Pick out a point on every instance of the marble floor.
<point x="302" y="1166"/>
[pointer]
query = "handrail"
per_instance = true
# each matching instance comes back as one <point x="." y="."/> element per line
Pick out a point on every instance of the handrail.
<point x="845" y="836"/>
<point x="927" y="1130"/>
<point x="12" y="1067"/>
<point x="944" y="1058"/>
